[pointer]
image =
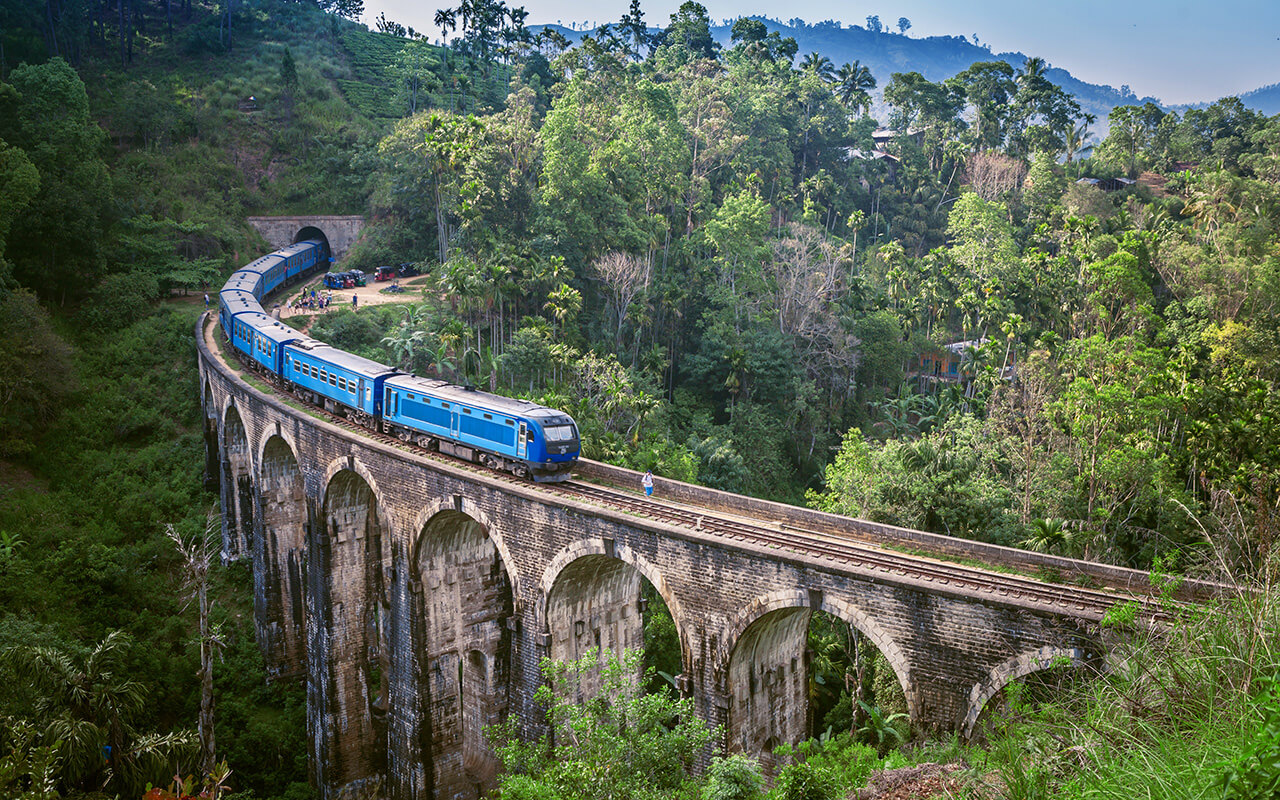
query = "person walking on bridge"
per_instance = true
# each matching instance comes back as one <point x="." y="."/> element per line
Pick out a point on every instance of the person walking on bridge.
<point x="647" y="483"/>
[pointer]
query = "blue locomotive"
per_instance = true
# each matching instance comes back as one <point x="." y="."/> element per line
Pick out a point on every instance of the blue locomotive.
<point x="515" y="436"/>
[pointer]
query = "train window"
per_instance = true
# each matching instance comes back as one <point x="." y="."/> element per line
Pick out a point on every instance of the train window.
<point x="510" y="422"/>
<point x="444" y="405"/>
<point x="488" y="416"/>
<point x="342" y="383"/>
<point x="466" y="411"/>
<point x="559" y="433"/>
<point x="297" y="367"/>
<point x="408" y="396"/>
<point x="315" y="371"/>
<point x="333" y="379"/>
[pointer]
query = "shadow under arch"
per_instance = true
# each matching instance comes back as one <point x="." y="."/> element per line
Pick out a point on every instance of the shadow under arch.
<point x="462" y="641"/>
<point x="761" y="654"/>
<point x="280" y="557"/>
<point x="1011" y="670"/>
<point x="237" y="473"/>
<point x="348" y="641"/>
<point x="621" y="552"/>
<point x="590" y="598"/>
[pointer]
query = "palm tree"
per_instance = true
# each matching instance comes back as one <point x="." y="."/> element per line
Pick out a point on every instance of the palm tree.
<point x="564" y="304"/>
<point x="1050" y="535"/>
<point x="819" y="65"/>
<point x="87" y="705"/>
<point x="1032" y="70"/>
<point x="1077" y="137"/>
<point x="854" y="83"/>
<point x="406" y="344"/>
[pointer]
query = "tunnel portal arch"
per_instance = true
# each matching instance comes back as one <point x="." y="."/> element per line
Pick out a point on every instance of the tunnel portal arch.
<point x="309" y="232"/>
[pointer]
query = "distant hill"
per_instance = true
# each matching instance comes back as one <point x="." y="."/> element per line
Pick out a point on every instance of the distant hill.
<point x="1265" y="100"/>
<point x="935" y="57"/>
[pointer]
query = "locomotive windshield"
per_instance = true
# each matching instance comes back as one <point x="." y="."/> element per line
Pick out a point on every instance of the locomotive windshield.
<point x="559" y="433"/>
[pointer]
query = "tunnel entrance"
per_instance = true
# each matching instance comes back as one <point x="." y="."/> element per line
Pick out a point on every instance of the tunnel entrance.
<point x="311" y="232"/>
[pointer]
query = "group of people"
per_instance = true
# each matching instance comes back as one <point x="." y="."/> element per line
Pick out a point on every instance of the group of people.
<point x="311" y="301"/>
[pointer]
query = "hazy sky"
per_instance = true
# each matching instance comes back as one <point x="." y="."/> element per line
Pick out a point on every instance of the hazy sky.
<point x="1177" y="50"/>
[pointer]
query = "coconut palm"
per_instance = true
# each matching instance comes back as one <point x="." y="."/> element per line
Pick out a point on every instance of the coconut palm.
<point x="854" y="83"/>
<point x="1077" y="137"/>
<point x="819" y="65"/>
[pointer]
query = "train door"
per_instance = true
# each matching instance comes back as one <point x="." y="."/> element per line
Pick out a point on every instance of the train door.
<point x="361" y="400"/>
<point x="455" y="423"/>
<point x="522" y="447"/>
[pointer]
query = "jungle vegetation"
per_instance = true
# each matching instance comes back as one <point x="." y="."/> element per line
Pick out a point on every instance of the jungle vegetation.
<point x="723" y="267"/>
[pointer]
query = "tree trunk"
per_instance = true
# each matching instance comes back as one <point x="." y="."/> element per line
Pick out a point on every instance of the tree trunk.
<point x="208" y="753"/>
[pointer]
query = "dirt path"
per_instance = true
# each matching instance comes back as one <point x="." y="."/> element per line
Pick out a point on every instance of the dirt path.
<point x="370" y="295"/>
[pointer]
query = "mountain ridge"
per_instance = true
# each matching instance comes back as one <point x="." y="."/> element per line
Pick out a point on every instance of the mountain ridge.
<point x="940" y="57"/>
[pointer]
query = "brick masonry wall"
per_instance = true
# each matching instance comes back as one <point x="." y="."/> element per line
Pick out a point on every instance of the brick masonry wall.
<point x="430" y="593"/>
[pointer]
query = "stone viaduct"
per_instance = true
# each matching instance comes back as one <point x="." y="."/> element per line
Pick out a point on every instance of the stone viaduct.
<point x="416" y="599"/>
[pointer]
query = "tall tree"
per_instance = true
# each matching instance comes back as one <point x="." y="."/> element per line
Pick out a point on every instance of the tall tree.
<point x="854" y="83"/>
<point x="55" y="246"/>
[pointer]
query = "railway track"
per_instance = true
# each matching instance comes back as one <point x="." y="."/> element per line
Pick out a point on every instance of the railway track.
<point x="876" y="562"/>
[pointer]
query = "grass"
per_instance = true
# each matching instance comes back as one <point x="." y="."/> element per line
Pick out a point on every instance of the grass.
<point x="1177" y="706"/>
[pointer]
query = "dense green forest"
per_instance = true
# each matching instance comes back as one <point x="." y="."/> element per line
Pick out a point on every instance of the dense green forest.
<point x="705" y="256"/>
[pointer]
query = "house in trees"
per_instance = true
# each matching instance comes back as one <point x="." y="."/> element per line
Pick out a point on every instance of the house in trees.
<point x="888" y="159"/>
<point x="1108" y="184"/>
<point x="883" y="136"/>
<point x="952" y="363"/>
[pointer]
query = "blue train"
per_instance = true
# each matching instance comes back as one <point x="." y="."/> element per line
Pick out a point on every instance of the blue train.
<point x="515" y="436"/>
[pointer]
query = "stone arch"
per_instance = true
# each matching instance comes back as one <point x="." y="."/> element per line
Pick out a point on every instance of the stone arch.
<point x="1011" y="670"/>
<point x="468" y="508"/>
<point x="591" y="599"/>
<point x="766" y="676"/>
<point x="786" y="616"/>
<point x="353" y="551"/>
<point x="889" y="648"/>
<point x="623" y="553"/>
<point x="280" y="558"/>
<point x="312" y="232"/>
<point x="462" y="628"/>
<point x="237" y="473"/>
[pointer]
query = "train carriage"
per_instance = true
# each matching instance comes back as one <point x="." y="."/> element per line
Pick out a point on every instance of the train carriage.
<point x="269" y="339"/>
<point x="231" y="304"/>
<point x="500" y="432"/>
<point x="335" y="379"/>
<point x="245" y="281"/>
<point x="262" y="267"/>
<point x="497" y="431"/>
<point x="301" y="258"/>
